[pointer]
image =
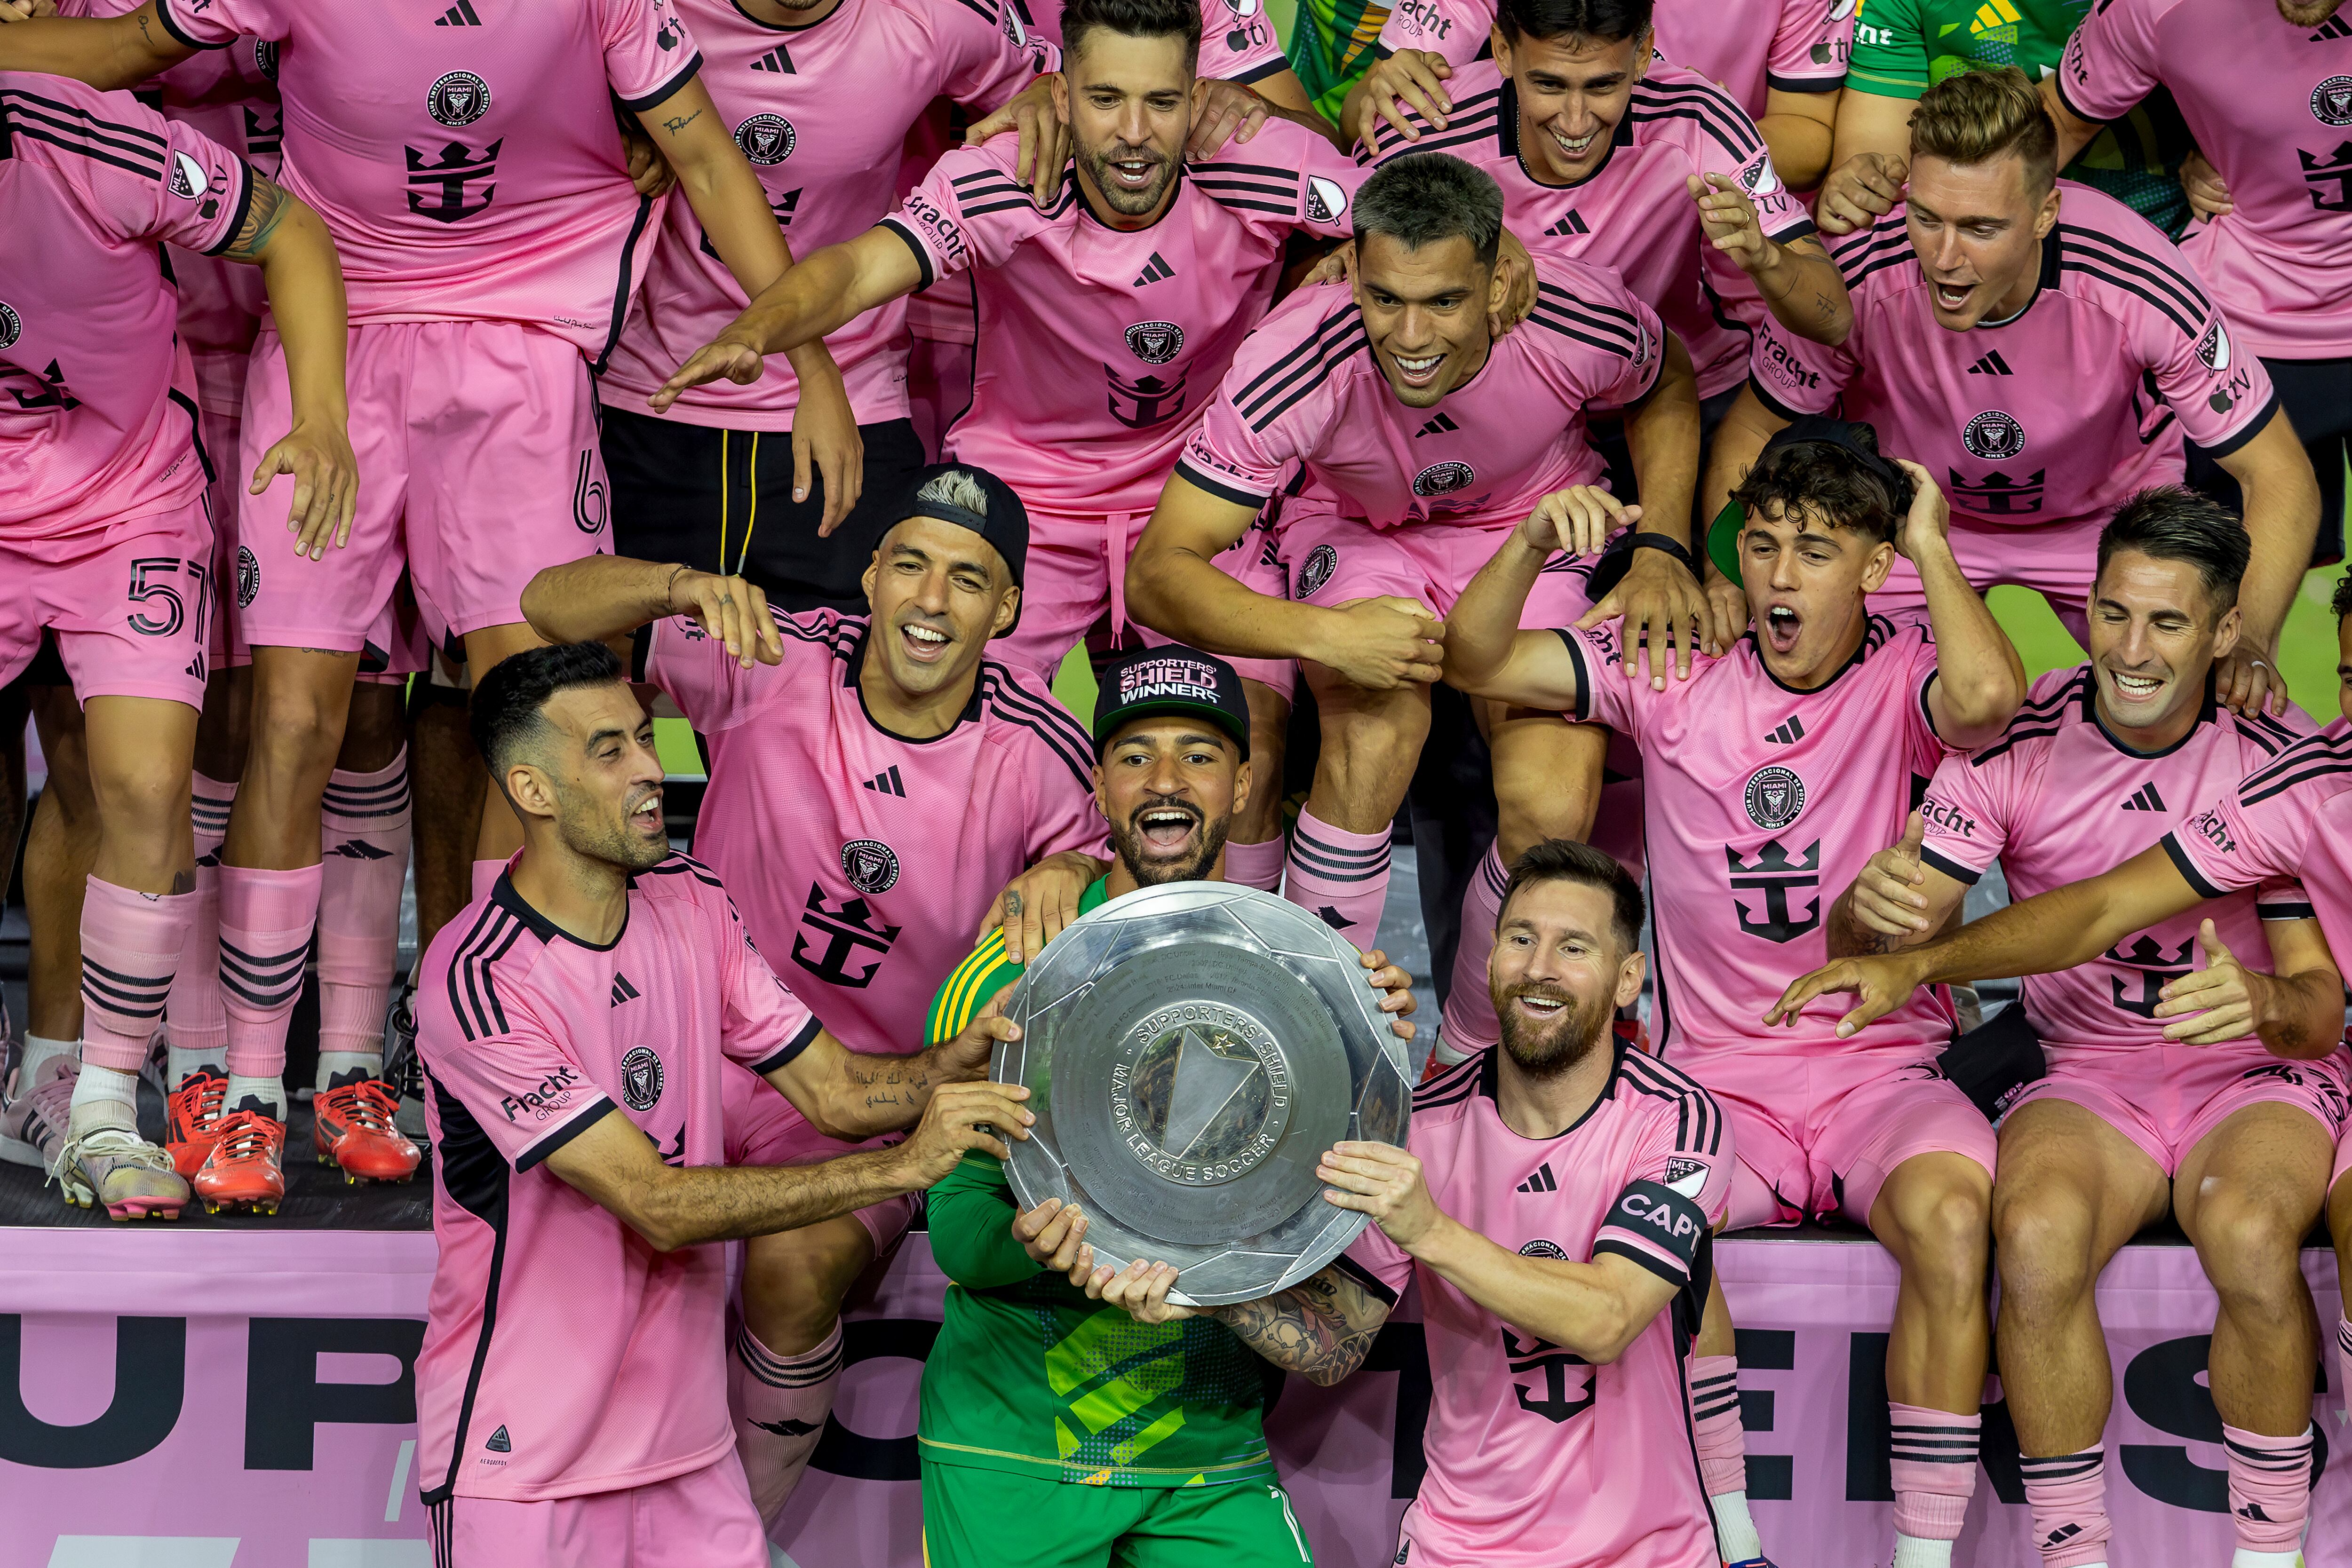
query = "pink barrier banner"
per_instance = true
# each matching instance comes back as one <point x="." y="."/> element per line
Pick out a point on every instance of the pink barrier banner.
<point x="211" y="1400"/>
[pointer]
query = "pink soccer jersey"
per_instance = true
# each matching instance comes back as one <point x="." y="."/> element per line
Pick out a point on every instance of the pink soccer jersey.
<point x="2271" y="107"/>
<point x="98" y="420"/>
<point x="1305" y="390"/>
<point x="469" y="170"/>
<point x="2057" y="799"/>
<point x="822" y="111"/>
<point x="1237" y="41"/>
<point x="865" y="860"/>
<point x="2292" y="817"/>
<point x="562" y="1355"/>
<point x="1538" y="1458"/>
<point x="1761" y="803"/>
<point x="2047" y="417"/>
<point x="1098" y="347"/>
<point x="1633" y="214"/>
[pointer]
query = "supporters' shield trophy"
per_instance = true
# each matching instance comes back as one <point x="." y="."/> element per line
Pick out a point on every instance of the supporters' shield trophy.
<point x="1190" y="1051"/>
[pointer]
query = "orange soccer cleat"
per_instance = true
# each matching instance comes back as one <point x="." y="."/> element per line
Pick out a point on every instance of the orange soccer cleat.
<point x="354" y="1130"/>
<point x="246" y="1169"/>
<point x="192" y="1114"/>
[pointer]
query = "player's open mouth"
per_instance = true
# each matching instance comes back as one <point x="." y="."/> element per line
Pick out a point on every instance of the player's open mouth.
<point x="925" y="644"/>
<point x="1419" y="371"/>
<point x="1782" y="625"/>
<point x="2135" y="688"/>
<point x="646" y="816"/>
<point x="1952" y="295"/>
<point x="1572" y="147"/>
<point x="1135" y="173"/>
<point x="1541" y="1006"/>
<point x="1166" y="829"/>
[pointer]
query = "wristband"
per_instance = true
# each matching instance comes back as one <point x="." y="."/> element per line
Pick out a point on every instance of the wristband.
<point x="1669" y="545"/>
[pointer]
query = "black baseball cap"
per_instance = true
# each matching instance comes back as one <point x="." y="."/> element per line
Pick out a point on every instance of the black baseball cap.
<point x="1143" y="682"/>
<point x="1723" y="534"/>
<point x="1006" y="526"/>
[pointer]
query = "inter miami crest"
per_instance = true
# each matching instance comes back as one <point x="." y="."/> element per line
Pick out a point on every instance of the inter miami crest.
<point x="264" y="57"/>
<point x="1775" y="797"/>
<point x="2213" y="348"/>
<point x="12" y="326"/>
<point x="1316" y="569"/>
<point x="1009" y="13"/>
<point x="1444" y="479"/>
<point x="188" y="179"/>
<point x="871" y="865"/>
<point x="1994" y="436"/>
<point x="2331" y="102"/>
<point x="1325" y="200"/>
<point x="458" y="97"/>
<point x="1552" y="1250"/>
<point x="766" y="138"/>
<point x="641" y="1078"/>
<point x="248" y="576"/>
<point x="1155" y="342"/>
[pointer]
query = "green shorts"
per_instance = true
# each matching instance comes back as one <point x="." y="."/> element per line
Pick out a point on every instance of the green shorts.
<point x="975" y="1518"/>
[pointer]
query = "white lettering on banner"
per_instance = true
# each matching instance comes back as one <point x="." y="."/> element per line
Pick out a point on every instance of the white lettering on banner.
<point x="143" y="1552"/>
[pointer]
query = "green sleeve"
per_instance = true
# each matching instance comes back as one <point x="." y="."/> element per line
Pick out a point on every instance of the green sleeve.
<point x="970" y="1215"/>
<point x="1890" y="50"/>
<point x="980" y="976"/>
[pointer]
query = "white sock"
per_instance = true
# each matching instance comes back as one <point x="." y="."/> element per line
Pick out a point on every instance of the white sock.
<point x="37" y="1050"/>
<point x="103" y="1097"/>
<point x="1444" y="1055"/>
<point x="179" y="1064"/>
<point x="2245" y="1559"/>
<point x="335" y="1064"/>
<point x="1911" y="1552"/>
<point x="1735" y="1531"/>
<point x="269" y="1092"/>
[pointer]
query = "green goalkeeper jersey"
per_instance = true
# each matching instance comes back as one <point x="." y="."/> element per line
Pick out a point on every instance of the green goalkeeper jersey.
<point x="1030" y="1376"/>
<point x="1331" y="48"/>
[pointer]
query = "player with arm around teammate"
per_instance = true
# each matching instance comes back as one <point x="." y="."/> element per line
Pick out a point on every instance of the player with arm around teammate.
<point x="1555" y="1201"/>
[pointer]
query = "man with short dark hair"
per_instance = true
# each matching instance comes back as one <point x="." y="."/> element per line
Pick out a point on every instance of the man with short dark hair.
<point x="1053" y="1431"/>
<point x="575" y="1026"/>
<point x="1555" y="1202"/>
<point x="2147" y="1110"/>
<point x="1767" y="774"/>
<point x="1417" y="438"/>
<point x="2044" y="352"/>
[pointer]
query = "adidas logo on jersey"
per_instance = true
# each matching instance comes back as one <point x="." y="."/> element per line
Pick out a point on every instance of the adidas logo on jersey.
<point x="1542" y="1181"/>
<point x="1438" y="426"/>
<point x="775" y="59"/>
<point x="2334" y="28"/>
<point x="1992" y="364"/>
<point x="499" y="1442"/>
<point x="1789" y="733"/>
<point x="2145" y="798"/>
<point x="622" y="990"/>
<point x="461" y="15"/>
<point x="1156" y="270"/>
<point x="1570" y="224"/>
<point x="887" y="783"/>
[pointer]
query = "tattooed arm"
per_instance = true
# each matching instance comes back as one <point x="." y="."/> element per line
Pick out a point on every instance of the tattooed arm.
<point x="1321" y="1329"/>
<point x="853" y="1094"/>
<point x="108" y="52"/>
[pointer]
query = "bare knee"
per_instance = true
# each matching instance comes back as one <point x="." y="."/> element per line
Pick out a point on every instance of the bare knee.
<point x="794" y="1282"/>
<point x="1945" y="1235"/>
<point x="2250" y="1244"/>
<point x="2042" y="1241"/>
<point x="298" y="723"/>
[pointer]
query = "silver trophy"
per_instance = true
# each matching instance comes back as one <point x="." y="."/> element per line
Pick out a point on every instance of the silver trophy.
<point x="1190" y="1051"/>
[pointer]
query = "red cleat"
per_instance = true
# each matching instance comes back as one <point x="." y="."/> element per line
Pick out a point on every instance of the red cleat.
<point x="354" y="1130"/>
<point x="246" y="1169"/>
<point x="192" y="1114"/>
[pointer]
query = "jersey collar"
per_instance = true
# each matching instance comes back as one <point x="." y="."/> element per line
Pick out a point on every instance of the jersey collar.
<point x="1175" y="195"/>
<point x="1490" y="1074"/>
<point x="2205" y="715"/>
<point x="1874" y="633"/>
<point x="2046" y="280"/>
<point x="504" y="895"/>
<point x="854" y="666"/>
<point x="1507" y="137"/>
<point x="791" y="26"/>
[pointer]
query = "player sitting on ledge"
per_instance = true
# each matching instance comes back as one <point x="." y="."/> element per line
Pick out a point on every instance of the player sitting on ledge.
<point x="1555" y="1202"/>
<point x="1053" y="1430"/>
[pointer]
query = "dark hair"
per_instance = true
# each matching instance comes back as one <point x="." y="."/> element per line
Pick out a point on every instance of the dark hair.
<point x="1827" y="482"/>
<point x="2173" y="522"/>
<point x="1978" y="115"/>
<point x="1135" y="19"/>
<point x="1565" y="860"/>
<point x="507" y="703"/>
<point x="1427" y="198"/>
<point x="2342" y="603"/>
<point x="1607" y="21"/>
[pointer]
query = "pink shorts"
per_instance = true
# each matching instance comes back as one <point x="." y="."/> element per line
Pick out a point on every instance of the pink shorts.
<point x="763" y="1128"/>
<point x="479" y="466"/>
<point x="1333" y="560"/>
<point x="2167" y="1098"/>
<point x="130" y="616"/>
<point x="703" y="1518"/>
<point x="1820" y="1136"/>
<point x="2056" y="561"/>
<point x="1076" y="578"/>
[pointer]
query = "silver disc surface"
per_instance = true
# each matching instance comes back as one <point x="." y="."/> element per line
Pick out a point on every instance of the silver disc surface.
<point x="1190" y="1051"/>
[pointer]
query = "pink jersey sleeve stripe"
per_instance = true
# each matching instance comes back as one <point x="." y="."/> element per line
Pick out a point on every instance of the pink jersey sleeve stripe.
<point x="2315" y="756"/>
<point x="473" y="995"/>
<point x="922" y="255"/>
<point x="784" y="1054"/>
<point x="1886" y="243"/>
<point x="1967" y="876"/>
<point x="1452" y="1086"/>
<point x="1302" y="370"/>
<point x="1582" y="712"/>
<point x="172" y="26"/>
<point x="1224" y="489"/>
<point x="76" y="130"/>
<point x="1704" y="102"/>
<point x="1373" y="1283"/>
<point x="579" y="1121"/>
<point x="666" y="91"/>
<point x="1060" y="734"/>
<point x="1477" y="118"/>
<point x="2170" y="291"/>
<point x="1699" y="1120"/>
<point x="2187" y="865"/>
<point x="1590" y="322"/>
<point x="2038" y="718"/>
<point x="1248" y="187"/>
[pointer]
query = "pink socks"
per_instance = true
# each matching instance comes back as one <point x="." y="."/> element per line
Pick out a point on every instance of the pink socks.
<point x="1471" y="1025"/>
<point x="1341" y="877"/>
<point x="2270" y="1489"/>
<point x="266" y="921"/>
<point x="780" y="1405"/>
<point x="1256" y="865"/>
<point x="1934" y="1455"/>
<point x="1722" y="1452"/>
<point x="131" y="945"/>
<point x="365" y="855"/>
<point x="2068" y="1495"/>
<point x="196" y="1022"/>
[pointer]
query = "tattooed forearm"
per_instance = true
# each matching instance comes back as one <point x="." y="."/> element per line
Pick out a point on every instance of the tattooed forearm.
<point x="677" y="122"/>
<point x="262" y="215"/>
<point x="1309" y="1329"/>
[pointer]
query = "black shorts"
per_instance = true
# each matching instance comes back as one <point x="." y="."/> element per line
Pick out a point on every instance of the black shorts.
<point x="721" y="500"/>
<point x="2317" y="397"/>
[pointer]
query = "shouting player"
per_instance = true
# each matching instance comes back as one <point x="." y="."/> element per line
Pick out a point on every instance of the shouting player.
<point x="1557" y="1435"/>
<point x="2147" y="1110"/>
<point x="2043" y="350"/>
<point x="106" y="542"/>
<point x="492" y="241"/>
<point x="869" y="794"/>
<point x="1767" y="776"/>
<point x="1151" y="1448"/>
<point x="577" y="1023"/>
